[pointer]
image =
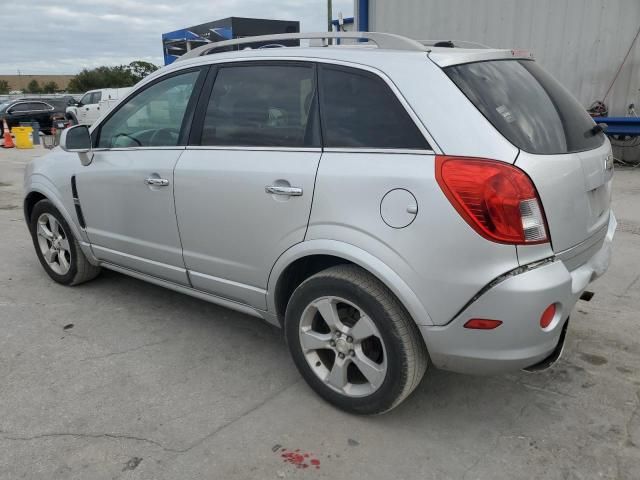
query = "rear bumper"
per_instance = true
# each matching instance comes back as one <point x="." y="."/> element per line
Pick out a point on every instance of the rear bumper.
<point x="518" y="301"/>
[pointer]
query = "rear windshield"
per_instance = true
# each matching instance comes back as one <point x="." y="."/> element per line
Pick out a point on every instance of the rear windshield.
<point x="527" y="105"/>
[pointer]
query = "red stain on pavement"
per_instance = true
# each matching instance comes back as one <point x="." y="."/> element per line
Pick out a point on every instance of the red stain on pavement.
<point x="299" y="459"/>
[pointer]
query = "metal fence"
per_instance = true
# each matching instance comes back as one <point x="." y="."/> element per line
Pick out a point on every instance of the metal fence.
<point x="18" y="96"/>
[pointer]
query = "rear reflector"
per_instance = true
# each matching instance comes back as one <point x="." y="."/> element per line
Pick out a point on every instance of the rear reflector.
<point x="498" y="200"/>
<point x="482" y="324"/>
<point x="548" y="315"/>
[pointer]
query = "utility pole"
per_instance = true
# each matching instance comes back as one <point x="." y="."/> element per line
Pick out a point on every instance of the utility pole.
<point x="329" y="16"/>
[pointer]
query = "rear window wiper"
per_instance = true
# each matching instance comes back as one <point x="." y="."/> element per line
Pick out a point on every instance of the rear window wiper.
<point x="596" y="129"/>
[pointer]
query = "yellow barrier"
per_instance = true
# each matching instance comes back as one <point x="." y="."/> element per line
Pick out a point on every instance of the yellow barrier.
<point x="23" y="136"/>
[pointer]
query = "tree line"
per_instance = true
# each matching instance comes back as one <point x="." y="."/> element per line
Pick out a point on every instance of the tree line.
<point x="91" y="79"/>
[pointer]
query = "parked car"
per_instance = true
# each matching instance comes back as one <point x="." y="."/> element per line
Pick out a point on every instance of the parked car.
<point x="40" y="110"/>
<point x="388" y="208"/>
<point x="93" y="104"/>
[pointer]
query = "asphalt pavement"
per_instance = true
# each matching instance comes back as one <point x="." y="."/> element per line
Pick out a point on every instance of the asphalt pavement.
<point x="117" y="378"/>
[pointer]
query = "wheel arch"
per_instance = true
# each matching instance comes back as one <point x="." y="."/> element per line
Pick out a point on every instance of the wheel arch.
<point x="30" y="201"/>
<point x="309" y="257"/>
<point x="39" y="191"/>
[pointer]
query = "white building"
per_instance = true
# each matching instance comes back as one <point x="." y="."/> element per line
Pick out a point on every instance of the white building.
<point x="581" y="42"/>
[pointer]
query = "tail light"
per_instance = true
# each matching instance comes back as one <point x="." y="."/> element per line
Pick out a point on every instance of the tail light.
<point x="498" y="200"/>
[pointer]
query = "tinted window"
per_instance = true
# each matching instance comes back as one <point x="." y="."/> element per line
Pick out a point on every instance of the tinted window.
<point x="96" y="97"/>
<point x="20" y="107"/>
<point x="531" y="109"/>
<point x="360" y="110"/>
<point x="262" y="105"/>
<point x="152" y="118"/>
<point x="38" y="107"/>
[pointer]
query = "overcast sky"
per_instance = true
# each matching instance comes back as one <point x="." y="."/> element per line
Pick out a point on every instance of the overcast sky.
<point x="44" y="36"/>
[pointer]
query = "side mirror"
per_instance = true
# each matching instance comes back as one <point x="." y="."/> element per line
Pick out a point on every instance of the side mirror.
<point x="77" y="139"/>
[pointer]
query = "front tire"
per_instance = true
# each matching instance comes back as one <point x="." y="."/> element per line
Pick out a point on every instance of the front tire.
<point x="353" y="342"/>
<point x="56" y="247"/>
<point x="72" y="118"/>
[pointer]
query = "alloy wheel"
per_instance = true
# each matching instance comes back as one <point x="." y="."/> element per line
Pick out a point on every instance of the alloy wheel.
<point x="343" y="346"/>
<point x="54" y="244"/>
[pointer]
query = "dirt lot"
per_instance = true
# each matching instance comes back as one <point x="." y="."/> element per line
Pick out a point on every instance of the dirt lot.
<point x="121" y="379"/>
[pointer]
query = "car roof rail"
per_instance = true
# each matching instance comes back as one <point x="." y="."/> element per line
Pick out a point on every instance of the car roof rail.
<point x="453" y="44"/>
<point x="389" y="41"/>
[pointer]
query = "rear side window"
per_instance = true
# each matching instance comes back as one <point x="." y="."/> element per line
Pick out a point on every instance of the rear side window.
<point x="359" y="110"/>
<point x="262" y="106"/>
<point x="527" y="105"/>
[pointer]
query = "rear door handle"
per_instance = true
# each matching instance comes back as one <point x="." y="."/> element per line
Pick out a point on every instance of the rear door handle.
<point x="281" y="190"/>
<point x="156" y="182"/>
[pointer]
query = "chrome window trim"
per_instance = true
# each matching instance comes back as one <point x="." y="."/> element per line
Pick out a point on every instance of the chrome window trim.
<point x="255" y="149"/>
<point x="208" y="60"/>
<point x="361" y="66"/>
<point x="389" y="151"/>
<point x="10" y="110"/>
<point x="26" y="102"/>
<point x="125" y="149"/>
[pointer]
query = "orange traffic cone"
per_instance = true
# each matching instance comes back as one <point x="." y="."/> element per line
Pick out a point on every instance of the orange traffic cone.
<point x="8" y="141"/>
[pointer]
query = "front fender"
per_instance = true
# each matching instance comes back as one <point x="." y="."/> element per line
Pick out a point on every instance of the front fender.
<point x="357" y="256"/>
<point x="42" y="185"/>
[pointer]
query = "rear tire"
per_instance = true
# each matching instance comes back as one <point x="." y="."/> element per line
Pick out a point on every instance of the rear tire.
<point x="369" y="355"/>
<point x="57" y="249"/>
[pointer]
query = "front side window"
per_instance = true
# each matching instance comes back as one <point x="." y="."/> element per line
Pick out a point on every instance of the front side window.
<point x="86" y="99"/>
<point x="359" y="110"/>
<point x="20" y="107"/>
<point x="153" y="118"/>
<point x="262" y="106"/>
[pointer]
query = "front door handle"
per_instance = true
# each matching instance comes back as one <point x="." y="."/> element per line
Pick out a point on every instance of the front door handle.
<point x="156" y="182"/>
<point x="282" y="190"/>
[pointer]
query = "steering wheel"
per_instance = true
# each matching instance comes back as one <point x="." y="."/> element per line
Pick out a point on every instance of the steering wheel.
<point x="161" y="131"/>
<point x="125" y="135"/>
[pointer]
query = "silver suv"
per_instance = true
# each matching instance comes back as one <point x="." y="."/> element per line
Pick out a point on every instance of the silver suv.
<point x="387" y="207"/>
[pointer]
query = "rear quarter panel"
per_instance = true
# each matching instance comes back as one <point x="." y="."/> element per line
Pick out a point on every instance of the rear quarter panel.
<point x="439" y="256"/>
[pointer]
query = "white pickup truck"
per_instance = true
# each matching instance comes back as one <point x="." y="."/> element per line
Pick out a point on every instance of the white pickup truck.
<point x="93" y="104"/>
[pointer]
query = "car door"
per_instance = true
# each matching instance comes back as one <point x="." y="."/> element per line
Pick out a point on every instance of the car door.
<point x="93" y="109"/>
<point x="41" y="113"/>
<point x="18" y="112"/>
<point x="84" y="108"/>
<point x="126" y="193"/>
<point x="245" y="183"/>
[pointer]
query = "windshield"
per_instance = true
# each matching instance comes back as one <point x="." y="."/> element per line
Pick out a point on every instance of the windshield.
<point x="527" y="105"/>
